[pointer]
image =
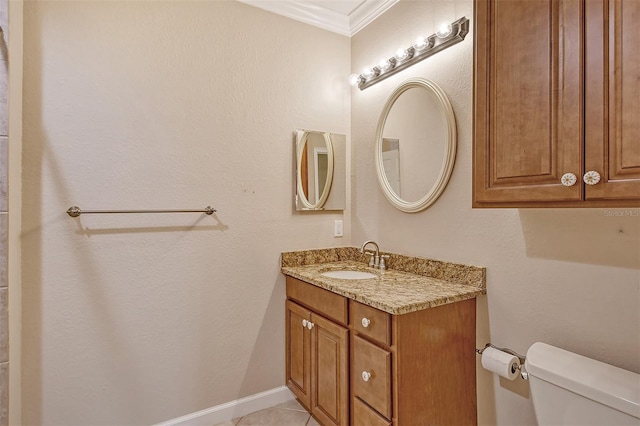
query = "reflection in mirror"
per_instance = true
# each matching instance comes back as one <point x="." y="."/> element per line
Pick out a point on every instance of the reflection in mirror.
<point x="320" y="171"/>
<point x="314" y="166"/>
<point x="416" y="120"/>
<point x="415" y="145"/>
<point x="391" y="163"/>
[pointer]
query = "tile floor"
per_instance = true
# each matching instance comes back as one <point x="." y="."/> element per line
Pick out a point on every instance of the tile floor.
<point x="290" y="413"/>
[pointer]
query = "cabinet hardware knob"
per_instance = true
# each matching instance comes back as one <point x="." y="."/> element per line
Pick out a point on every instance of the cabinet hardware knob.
<point x="366" y="322"/>
<point x="310" y="325"/>
<point x="591" y="177"/>
<point x="366" y="376"/>
<point x="304" y="322"/>
<point x="568" y="179"/>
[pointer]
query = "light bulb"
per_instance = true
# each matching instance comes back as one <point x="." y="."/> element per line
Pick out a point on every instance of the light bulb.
<point x="368" y="73"/>
<point x="444" y="30"/>
<point x="355" y="79"/>
<point x="385" y="64"/>
<point x="401" y="54"/>
<point x="421" y="43"/>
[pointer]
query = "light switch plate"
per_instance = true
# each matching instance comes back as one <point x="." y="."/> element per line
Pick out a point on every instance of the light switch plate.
<point x="337" y="228"/>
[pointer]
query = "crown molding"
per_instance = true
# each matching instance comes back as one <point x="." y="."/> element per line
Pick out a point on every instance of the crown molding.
<point x="329" y="20"/>
<point x="306" y="12"/>
<point x="367" y="12"/>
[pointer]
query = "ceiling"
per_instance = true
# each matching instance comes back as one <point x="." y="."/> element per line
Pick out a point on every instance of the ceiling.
<point x="345" y="17"/>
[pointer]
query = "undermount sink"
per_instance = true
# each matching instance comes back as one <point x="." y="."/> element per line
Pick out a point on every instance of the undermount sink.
<point x="349" y="275"/>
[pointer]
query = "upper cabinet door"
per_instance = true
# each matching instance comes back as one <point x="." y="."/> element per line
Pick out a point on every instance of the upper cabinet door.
<point x="528" y="97"/>
<point x="612" y="107"/>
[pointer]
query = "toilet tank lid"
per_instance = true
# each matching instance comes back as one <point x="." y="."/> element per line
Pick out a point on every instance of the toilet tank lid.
<point x="604" y="383"/>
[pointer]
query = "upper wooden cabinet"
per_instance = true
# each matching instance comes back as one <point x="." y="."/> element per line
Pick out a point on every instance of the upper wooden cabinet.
<point x="612" y="95"/>
<point x="556" y="91"/>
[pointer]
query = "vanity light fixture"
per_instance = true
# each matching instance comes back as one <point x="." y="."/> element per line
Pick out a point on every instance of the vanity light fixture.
<point x="447" y="35"/>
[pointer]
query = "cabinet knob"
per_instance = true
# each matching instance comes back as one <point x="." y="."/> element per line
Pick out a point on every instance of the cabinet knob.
<point x="366" y="322"/>
<point x="304" y="322"/>
<point x="310" y="325"/>
<point x="591" y="177"/>
<point x="366" y="376"/>
<point x="568" y="179"/>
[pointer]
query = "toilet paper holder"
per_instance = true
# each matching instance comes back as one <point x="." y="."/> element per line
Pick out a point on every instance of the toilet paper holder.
<point x="521" y="358"/>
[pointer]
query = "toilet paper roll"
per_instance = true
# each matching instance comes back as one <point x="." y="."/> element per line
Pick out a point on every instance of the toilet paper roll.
<point x="501" y="363"/>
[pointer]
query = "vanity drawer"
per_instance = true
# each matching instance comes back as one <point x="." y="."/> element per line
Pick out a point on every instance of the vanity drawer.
<point x="371" y="322"/>
<point x="371" y="375"/>
<point x="363" y="415"/>
<point x="322" y="301"/>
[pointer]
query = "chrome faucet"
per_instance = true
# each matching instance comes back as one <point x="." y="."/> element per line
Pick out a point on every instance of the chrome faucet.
<point x="375" y="261"/>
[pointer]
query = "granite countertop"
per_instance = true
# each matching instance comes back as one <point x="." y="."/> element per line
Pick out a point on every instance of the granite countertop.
<point x="423" y="283"/>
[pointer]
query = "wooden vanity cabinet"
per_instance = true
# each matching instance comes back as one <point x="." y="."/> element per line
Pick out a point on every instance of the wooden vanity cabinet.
<point x="426" y="376"/>
<point x="317" y="354"/>
<point x="556" y="84"/>
<point x="361" y="366"/>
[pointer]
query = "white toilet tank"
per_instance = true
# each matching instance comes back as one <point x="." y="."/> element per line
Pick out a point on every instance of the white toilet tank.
<point x="570" y="389"/>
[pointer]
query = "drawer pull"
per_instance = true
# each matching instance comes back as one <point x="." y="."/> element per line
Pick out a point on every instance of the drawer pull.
<point x="304" y="322"/>
<point x="366" y="322"/>
<point x="366" y="376"/>
<point x="310" y="325"/>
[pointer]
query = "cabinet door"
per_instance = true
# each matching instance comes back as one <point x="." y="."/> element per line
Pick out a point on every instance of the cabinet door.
<point x="528" y="98"/>
<point x="298" y="338"/>
<point x="329" y="380"/>
<point x="613" y="98"/>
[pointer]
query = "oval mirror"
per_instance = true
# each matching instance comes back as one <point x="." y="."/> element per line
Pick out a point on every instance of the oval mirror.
<point x="314" y="169"/>
<point x="415" y="145"/>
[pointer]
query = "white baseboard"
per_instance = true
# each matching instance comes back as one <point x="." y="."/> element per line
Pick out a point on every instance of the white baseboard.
<point x="233" y="409"/>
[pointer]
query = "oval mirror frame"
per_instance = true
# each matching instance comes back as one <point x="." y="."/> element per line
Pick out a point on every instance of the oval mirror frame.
<point x="450" y="147"/>
<point x="302" y="197"/>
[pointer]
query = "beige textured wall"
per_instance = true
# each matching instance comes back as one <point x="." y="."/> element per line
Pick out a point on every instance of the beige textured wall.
<point x="14" y="202"/>
<point x="4" y="213"/>
<point x="568" y="277"/>
<point x="136" y="319"/>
